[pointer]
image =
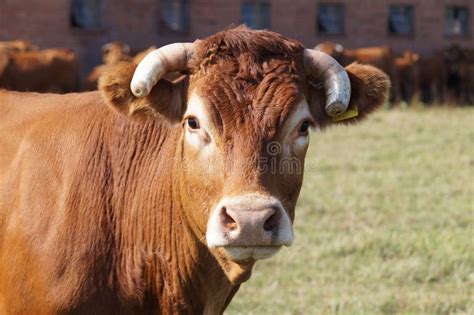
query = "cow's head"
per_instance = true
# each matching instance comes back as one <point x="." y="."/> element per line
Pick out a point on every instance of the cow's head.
<point x="332" y="49"/>
<point x="244" y="114"/>
<point x="114" y="52"/>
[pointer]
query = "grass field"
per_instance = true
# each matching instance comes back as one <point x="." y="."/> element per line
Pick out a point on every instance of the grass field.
<point x="384" y="223"/>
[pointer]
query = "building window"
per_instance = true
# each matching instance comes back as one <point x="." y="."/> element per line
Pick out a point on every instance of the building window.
<point x="400" y="21"/>
<point x="457" y="21"/>
<point x="256" y="14"/>
<point x="175" y="15"/>
<point x="86" y="14"/>
<point x="330" y="19"/>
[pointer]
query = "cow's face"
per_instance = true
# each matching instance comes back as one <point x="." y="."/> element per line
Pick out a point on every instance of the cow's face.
<point x="243" y="148"/>
<point x="243" y="115"/>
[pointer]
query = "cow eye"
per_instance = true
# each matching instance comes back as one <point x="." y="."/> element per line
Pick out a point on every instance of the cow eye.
<point x="304" y="127"/>
<point x="193" y="123"/>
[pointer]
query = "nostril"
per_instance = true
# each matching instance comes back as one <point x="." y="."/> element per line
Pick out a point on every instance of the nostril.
<point x="227" y="221"/>
<point x="272" y="223"/>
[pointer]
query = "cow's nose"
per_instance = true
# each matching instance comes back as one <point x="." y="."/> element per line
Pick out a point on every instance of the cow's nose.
<point x="243" y="221"/>
<point x="249" y="221"/>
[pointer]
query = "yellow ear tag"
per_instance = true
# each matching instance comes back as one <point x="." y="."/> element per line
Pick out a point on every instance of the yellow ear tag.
<point x="350" y="112"/>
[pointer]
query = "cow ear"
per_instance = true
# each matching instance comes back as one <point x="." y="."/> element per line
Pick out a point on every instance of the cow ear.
<point x="369" y="91"/>
<point x="167" y="99"/>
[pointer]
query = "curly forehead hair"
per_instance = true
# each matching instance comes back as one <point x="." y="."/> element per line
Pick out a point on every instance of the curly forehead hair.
<point x="252" y="50"/>
<point x="245" y="69"/>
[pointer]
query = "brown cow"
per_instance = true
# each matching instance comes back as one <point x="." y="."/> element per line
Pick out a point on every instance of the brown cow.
<point x="48" y="70"/>
<point x="139" y="57"/>
<point x="334" y="50"/>
<point x="467" y="84"/>
<point x="113" y="204"/>
<point x="407" y="73"/>
<point x="460" y="63"/>
<point x="433" y="78"/>
<point x="381" y="57"/>
<point x="17" y="45"/>
<point x="112" y="53"/>
<point x="115" y="52"/>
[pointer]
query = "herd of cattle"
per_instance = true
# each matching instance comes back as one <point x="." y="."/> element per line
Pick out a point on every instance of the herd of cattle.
<point x="445" y="76"/>
<point x="26" y="67"/>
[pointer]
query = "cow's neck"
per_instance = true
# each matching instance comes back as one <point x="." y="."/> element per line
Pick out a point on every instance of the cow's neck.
<point x="158" y="260"/>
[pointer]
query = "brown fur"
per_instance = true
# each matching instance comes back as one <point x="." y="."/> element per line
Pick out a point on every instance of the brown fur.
<point x="369" y="86"/>
<point x="433" y="78"/>
<point x="48" y="70"/>
<point x="115" y="52"/>
<point x="104" y="211"/>
<point x="460" y="74"/>
<point x="112" y="53"/>
<point x="17" y="45"/>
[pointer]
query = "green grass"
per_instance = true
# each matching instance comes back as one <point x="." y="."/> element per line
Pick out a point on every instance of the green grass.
<point x="384" y="224"/>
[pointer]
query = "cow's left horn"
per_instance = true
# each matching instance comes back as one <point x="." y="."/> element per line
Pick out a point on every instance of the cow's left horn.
<point x="334" y="77"/>
<point x="156" y="64"/>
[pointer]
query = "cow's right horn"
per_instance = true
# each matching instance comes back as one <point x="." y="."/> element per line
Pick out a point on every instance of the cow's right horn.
<point x="334" y="77"/>
<point x="156" y="64"/>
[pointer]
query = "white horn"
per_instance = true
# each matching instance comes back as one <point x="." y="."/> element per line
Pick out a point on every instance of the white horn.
<point x="156" y="64"/>
<point x="334" y="77"/>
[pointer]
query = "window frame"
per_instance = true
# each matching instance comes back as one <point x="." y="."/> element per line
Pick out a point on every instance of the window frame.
<point x="344" y="24"/>
<point x="258" y="5"/>
<point x="469" y="21"/>
<point x="165" y="29"/>
<point x="412" y="34"/>
<point x="99" y="27"/>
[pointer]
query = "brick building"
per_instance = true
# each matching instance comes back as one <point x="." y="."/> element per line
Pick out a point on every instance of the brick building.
<point x="84" y="25"/>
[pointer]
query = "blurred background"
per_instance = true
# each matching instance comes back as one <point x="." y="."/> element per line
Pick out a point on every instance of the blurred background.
<point x="384" y="224"/>
<point x="424" y="26"/>
<point x="426" y="46"/>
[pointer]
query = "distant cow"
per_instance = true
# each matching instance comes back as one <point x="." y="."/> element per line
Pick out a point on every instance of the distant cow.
<point x="115" y="52"/>
<point x="408" y="75"/>
<point x="460" y="63"/>
<point x="139" y="57"/>
<point x="467" y="88"/>
<point x="48" y="70"/>
<point x="17" y="45"/>
<point x="112" y="53"/>
<point x="154" y="197"/>
<point x="433" y="78"/>
<point x="381" y="57"/>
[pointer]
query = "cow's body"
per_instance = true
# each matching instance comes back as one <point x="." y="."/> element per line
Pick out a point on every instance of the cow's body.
<point x="77" y="237"/>
<point x="48" y="70"/>
<point x="460" y="74"/>
<point x="104" y="208"/>
<point x="17" y="45"/>
<point x="408" y="76"/>
<point x="433" y="78"/>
